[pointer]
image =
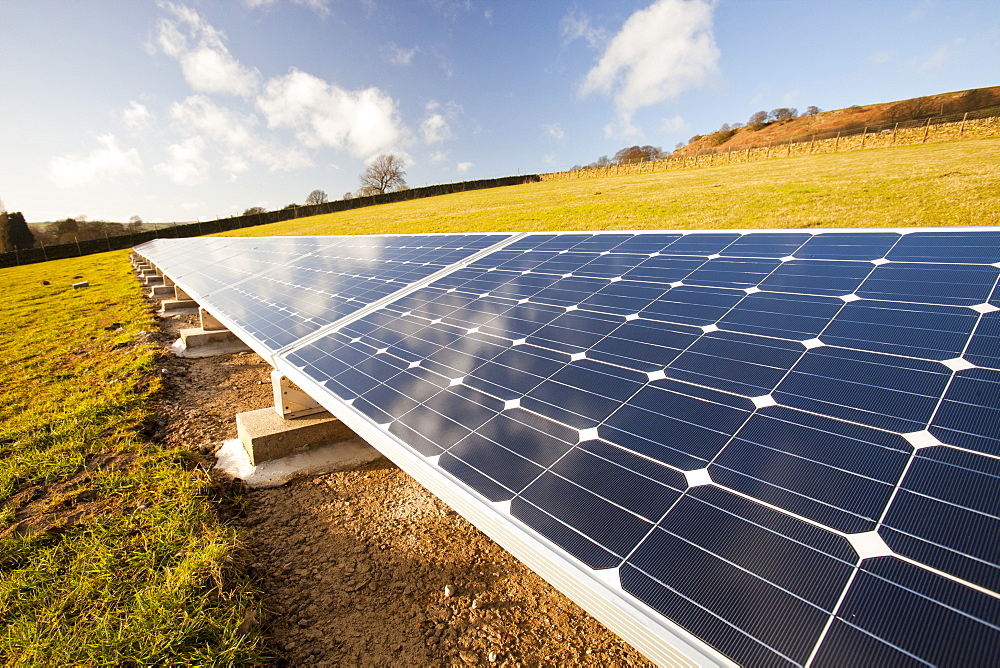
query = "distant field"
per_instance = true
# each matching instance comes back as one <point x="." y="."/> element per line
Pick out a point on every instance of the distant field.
<point x="110" y="549"/>
<point x="956" y="183"/>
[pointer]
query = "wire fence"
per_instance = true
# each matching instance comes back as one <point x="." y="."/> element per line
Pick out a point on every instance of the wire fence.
<point x="981" y="123"/>
<point x="79" y="248"/>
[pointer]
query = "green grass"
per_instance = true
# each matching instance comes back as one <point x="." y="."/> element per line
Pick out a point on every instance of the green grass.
<point x="144" y="580"/>
<point x="956" y="183"/>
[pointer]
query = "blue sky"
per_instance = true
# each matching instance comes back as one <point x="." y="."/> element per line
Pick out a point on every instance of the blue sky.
<point x="194" y="110"/>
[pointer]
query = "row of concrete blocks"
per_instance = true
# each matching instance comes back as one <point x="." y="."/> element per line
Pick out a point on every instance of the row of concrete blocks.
<point x="297" y="435"/>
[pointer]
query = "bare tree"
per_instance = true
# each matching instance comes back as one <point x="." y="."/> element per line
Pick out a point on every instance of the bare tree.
<point x="317" y="197"/>
<point x="384" y="174"/>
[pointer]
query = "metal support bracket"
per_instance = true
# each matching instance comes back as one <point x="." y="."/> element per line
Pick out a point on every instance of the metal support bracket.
<point x="289" y="401"/>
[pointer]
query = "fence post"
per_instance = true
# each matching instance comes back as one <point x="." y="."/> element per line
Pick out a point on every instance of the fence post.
<point x="106" y="240"/>
<point x="836" y="143"/>
<point x="768" y="155"/>
<point x="78" y="251"/>
<point x="17" y="256"/>
<point x="863" y="135"/>
<point x="893" y="142"/>
<point x="44" y="254"/>
<point x="812" y="138"/>
<point x="789" y="151"/>
<point x="961" y="128"/>
<point x="927" y="128"/>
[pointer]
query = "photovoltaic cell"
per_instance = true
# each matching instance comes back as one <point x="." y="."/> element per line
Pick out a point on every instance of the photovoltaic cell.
<point x="784" y="444"/>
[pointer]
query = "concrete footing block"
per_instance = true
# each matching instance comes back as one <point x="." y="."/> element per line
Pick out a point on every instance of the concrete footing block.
<point x="178" y="306"/>
<point x="152" y="280"/>
<point x="344" y="455"/>
<point x="161" y="291"/>
<point x="266" y="436"/>
<point x="196" y="342"/>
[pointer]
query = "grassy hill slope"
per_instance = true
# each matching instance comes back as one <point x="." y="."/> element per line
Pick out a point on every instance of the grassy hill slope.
<point x="955" y="183"/>
<point x="851" y="119"/>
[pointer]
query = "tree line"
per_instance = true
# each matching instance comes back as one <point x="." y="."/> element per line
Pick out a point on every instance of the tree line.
<point x="385" y="174"/>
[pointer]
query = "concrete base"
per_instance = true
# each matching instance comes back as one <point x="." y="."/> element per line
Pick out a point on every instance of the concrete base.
<point x="153" y="280"/>
<point x="342" y="456"/>
<point x="178" y="307"/>
<point x="196" y="342"/>
<point x="266" y="436"/>
<point x="161" y="291"/>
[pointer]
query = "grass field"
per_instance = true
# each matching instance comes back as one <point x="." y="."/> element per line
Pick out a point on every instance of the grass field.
<point x="111" y="550"/>
<point x="955" y="183"/>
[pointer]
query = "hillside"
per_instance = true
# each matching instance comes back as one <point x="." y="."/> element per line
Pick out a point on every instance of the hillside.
<point x="936" y="108"/>
<point x="949" y="183"/>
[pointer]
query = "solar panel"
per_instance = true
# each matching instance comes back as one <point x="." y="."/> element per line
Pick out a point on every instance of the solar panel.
<point x="276" y="290"/>
<point x="769" y="448"/>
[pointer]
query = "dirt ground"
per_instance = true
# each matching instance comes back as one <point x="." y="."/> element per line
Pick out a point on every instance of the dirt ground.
<point x="366" y="567"/>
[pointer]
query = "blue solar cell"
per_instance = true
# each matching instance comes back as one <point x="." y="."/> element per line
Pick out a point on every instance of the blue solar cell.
<point x="700" y="244"/>
<point x="978" y="247"/>
<point x="681" y="425"/>
<point x="693" y="305"/>
<point x="796" y="317"/>
<point x="940" y="516"/>
<point x="684" y="571"/>
<point x="814" y="277"/>
<point x="839" y="474"/>
<point x="919" y="616"/>
<point x="984" y="346"/>
<point x="848" y="246"/>
<point x="584" y="393"/>
<point x="623" y="297"/>
<point x="733" y="362"/>
<point x="959" y="285"/>
<point x="915" y="330"/>
<point x="732" y="272"/>
<point x="763" y="244"/>
<point x="664" y="269"/>
<point x="576" y="331"/>
<point x="644" y="345"/>
<point x="969" y="415"/>
<point x="885" y="392"/>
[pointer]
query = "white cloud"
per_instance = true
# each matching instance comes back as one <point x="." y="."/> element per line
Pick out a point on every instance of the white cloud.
<point x="321" y="7"/>
<point x="400" y="56"/>
<point x="199" y="48"/>
<point x="921" y="9"/>
<point x="463" y="167"/>
<point x="576" y="26"/>
<point x="660" y="52"/>
<point x="675" y="126"/>
<point x="107" y="162"/>
<point x="554" y="130"/>
<point x="436" y="127"/>
<point x="934" y="62"/>
<point x="232" y="136"/>
<point x="879" y="58"/>
<point x="186" y="164"/>
<point x="362" y="122"/>
<point x="136" y="116"/>
<point x="438" y="156"/>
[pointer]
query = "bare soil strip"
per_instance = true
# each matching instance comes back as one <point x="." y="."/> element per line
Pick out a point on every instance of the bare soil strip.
<point x="355" y="564"/>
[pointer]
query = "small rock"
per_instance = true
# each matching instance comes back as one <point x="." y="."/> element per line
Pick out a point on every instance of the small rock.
<point x="470" y="658"/>
<point x="493" y="657"/>
<point x="475" y="604"/>
<point x="43" y="283"/>
<point x="449" y="591"/>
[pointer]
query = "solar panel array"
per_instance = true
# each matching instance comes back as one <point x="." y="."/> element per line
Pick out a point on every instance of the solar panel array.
<point x="783" y="447"/>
